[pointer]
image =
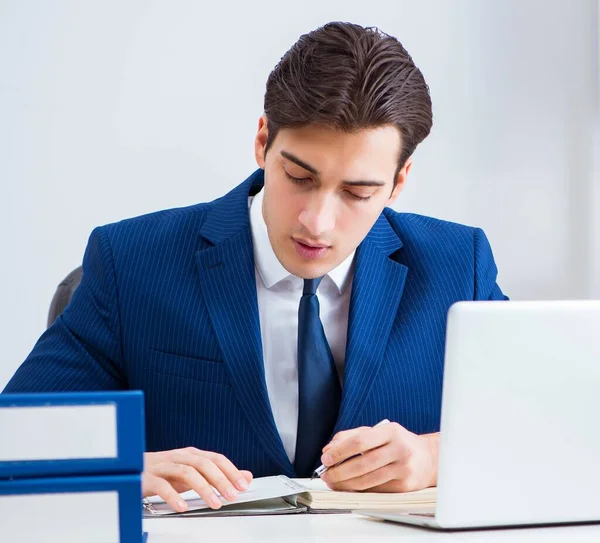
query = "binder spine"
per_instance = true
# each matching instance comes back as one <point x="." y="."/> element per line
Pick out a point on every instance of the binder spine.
<point x="43" y="414"/>
<point x="28" y="506"/>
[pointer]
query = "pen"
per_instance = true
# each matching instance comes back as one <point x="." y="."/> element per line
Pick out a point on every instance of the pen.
<point x="322" y="468"/>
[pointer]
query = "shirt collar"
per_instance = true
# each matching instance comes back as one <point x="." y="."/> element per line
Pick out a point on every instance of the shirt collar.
<point x="270" y="269"/>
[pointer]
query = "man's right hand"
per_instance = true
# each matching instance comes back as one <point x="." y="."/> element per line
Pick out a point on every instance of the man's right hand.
<point x="168" y="473"/>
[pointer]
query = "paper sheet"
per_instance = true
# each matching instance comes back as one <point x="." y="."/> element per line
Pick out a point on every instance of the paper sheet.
<point x="264" y="488"/>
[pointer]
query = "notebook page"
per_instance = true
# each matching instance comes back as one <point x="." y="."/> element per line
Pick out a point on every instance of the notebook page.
<point x="320" y="496"/>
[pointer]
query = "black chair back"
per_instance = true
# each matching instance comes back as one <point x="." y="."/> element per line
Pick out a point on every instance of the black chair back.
<point x="63" y="294"/>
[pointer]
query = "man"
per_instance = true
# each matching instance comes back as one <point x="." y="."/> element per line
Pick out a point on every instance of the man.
<point x="273" y="328"/>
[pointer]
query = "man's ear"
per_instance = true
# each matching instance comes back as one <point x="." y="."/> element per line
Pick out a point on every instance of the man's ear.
<point x="400" y="180"/>
<point x="260" y="141"/>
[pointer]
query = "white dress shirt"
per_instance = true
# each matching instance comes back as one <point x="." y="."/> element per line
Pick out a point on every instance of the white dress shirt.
<point x="279" y="295"/>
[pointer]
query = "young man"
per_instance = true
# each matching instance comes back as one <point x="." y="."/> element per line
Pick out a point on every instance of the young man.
<point x="273" y="328"/>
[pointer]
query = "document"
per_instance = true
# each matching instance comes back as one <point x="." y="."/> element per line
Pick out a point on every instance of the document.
<point x="266" y="495"/>
<point x="281" y="495"/>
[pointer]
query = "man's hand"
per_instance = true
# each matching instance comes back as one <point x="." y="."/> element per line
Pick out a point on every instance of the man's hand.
<point x="169" y="472"/>
<point x="392" y="459"/>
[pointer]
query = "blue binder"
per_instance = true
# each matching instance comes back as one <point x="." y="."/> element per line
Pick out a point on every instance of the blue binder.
<point x="44" y="491"/>
<point x="129" y="429"/>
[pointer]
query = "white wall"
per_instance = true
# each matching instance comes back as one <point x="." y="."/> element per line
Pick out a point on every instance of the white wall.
<point x="114" y="109"/>
<point x="594" y="204"/>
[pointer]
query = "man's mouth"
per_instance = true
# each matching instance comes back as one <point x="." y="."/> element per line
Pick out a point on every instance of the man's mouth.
<point x="310" y="250"/>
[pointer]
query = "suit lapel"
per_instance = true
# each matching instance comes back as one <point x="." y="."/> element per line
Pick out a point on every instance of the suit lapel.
<point x="227" y="277"/>
<point x="376" y="291"/>
<point x="228" y="283"/>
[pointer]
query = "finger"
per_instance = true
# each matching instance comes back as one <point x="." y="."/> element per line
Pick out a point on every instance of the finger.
<point x="247" y="475"/>
<point x="360" y="465"/>
<point x="180" y="487"/>
<point x="153" y="485"/>
<point x="217" y="477"/>
<point x="358" y="443"/>
<point x="336" y="439"/>
<point x="369" y="481"/>
<point x="197" y="458"/>
<point x="235" y="476"/>
<point x="191" y="478"/>
<point x="404" y="484"/>
<point x="202" y="462"/>
<point x="344" y="435"/>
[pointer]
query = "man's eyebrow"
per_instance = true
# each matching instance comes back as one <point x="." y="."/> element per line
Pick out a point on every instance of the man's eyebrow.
<point x="364" y="183"/>
<point x="300" y="163"/>
<point x="315" y="172"/>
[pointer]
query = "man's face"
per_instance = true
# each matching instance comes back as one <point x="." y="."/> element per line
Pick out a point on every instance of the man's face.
<point x="324" y="190"/>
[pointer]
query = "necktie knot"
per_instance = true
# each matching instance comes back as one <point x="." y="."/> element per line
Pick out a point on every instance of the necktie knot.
<point x="311" y="285"/>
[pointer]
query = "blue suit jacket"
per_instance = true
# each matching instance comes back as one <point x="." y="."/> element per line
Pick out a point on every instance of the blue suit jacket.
<point x="168" y="305"/>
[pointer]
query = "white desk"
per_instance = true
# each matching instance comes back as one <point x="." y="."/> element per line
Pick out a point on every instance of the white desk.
<point x="343" y="528"/>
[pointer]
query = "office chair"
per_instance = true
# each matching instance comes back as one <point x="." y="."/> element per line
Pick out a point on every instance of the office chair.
<point x="63" y="294"/>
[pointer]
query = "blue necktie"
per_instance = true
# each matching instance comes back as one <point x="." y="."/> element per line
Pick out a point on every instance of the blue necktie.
<point x="319" y="390"/>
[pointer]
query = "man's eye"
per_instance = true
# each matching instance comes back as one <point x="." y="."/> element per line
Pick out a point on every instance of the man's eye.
<point x="357" y="197"/>
<point x="297" y="180"/>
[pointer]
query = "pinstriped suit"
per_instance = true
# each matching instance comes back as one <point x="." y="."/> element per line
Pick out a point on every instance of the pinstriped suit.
<point x="168" y="305"/>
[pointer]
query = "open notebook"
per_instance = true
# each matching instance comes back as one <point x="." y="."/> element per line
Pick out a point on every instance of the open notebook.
<point x="281" y="495"/>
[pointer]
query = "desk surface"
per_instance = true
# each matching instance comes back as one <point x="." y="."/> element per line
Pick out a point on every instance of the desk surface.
<point x="346" y="528"/>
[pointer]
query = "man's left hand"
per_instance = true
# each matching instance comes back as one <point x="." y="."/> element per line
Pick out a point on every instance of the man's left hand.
<point x="391" y="459"/>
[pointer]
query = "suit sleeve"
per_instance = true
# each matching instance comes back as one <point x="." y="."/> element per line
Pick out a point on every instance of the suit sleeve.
<point x="82" y="349"/>
<point x="486" y="272"/>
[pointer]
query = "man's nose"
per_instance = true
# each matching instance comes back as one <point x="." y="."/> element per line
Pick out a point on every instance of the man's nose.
<point x="318" y="216"/>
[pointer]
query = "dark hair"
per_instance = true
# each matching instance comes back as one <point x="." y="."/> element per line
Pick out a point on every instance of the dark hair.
<point x="349" y="77"/>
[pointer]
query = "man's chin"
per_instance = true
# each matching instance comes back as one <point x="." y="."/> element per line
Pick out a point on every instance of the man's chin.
<point x="308" y="269"/>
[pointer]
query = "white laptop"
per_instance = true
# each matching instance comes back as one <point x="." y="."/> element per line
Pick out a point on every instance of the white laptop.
<point x="520" y="426"/>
